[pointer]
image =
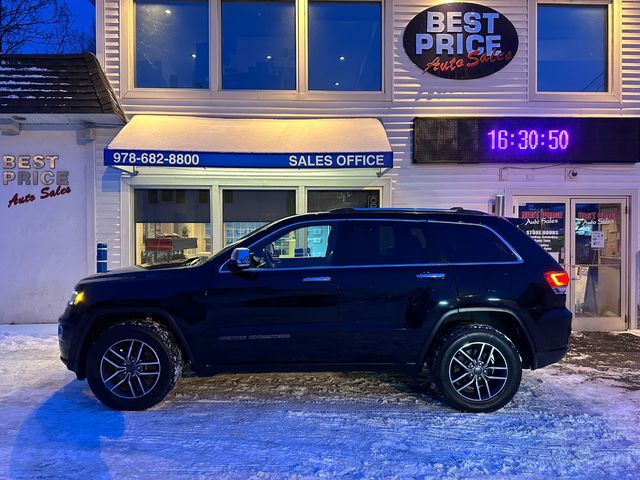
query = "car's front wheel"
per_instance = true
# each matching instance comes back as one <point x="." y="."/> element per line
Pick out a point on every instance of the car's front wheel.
<point x="476" y="368"/>
<point x="133" y="365"/>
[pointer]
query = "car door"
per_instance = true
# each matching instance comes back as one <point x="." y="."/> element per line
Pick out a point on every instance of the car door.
<point x="283" y="309"/>
<point x="391" y="291"/>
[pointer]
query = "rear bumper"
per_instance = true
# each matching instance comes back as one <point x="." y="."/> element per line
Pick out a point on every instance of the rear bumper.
<point x="550" y="356"/>
<point x="552" y="339"/>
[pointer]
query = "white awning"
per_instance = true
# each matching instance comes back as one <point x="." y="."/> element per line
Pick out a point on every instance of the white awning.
<point x="172" y="141"/>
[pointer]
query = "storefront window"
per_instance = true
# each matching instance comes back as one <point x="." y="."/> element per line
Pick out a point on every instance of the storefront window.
<point x="345" y="46"/>
<point x="247" y="210"/>
<point x="258" y="45"/>
<point x="572" y="48"/>
<point x="171" y="224"/>
<point x="172" y="44"/>
<point x="325" y="200"/>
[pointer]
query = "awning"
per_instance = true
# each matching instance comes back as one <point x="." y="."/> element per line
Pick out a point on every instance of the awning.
<point x="172" y="141"/>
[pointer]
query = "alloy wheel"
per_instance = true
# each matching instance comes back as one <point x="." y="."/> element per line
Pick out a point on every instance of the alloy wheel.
<point x="130" y="368"/>
<point x="478" y="371"/>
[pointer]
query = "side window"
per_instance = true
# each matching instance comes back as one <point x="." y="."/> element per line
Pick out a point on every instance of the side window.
<point x="464" y="243"/>
<point x="308" y="246"/>
<point x="385" y="243"/>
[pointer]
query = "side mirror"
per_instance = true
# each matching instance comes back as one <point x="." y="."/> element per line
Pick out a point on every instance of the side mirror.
<point x="241" y="257"/>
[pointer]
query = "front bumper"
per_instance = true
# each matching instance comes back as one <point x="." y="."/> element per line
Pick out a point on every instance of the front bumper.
<point x="70" y="338"/>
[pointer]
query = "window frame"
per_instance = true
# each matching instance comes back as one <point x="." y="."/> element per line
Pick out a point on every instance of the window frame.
<point x="614" y="93"/>
<point x="128" y="90"/>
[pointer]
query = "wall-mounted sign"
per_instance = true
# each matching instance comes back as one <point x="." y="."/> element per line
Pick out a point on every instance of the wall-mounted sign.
<point x="526" y="140"/>
<point x="305" y="161"/>
<point x="34" y="171"/>
<point x="460" y="40"/>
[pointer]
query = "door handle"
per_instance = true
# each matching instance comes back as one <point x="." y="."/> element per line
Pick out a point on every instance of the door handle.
<point x="431" y="275"/>
<point x="316" y="279"/>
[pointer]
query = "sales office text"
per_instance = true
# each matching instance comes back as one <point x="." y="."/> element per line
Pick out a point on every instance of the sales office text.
<point x="342" y="160"/>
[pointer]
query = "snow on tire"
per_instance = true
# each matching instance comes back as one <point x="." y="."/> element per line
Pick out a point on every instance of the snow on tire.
<point x="133" y="365"/>
<point x="476" y="368"/>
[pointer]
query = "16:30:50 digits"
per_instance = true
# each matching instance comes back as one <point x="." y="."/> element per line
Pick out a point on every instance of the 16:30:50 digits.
<point x="528" y="139"/>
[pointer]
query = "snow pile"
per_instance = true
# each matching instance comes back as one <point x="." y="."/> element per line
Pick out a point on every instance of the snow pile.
<point x="32" y="337"/>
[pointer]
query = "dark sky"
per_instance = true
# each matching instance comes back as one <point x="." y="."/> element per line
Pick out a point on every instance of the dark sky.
<point x="83" y="11"/>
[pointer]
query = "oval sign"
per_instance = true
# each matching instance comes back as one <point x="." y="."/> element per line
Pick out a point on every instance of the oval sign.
<point x="460" y="40"/>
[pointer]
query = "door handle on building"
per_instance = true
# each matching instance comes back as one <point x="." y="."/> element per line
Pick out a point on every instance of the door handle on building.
<point x="316" y="279"/>
<point x="431" y="275"/>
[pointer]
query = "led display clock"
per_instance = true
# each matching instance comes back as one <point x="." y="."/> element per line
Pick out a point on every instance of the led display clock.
<point x="532" y="139"/>
<point x="526" y="140"/>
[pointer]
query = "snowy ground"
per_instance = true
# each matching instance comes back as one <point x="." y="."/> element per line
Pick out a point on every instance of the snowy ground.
<point x="580" y="419"/>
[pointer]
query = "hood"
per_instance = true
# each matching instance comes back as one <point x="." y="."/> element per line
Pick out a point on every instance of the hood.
<point x="143" y="271"/>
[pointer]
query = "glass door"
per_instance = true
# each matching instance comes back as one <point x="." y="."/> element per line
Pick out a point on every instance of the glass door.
<point x="587" y="236"/>
<point x="598" y="263"/>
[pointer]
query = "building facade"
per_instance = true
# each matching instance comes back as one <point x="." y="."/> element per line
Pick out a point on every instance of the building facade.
<point x="542" y="126"/>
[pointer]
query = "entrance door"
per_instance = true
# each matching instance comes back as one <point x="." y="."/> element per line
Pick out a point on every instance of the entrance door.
<point x="588" y="237"/>
<point x="598" y="263"/>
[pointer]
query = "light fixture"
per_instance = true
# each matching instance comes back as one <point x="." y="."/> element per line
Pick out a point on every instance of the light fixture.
<point x="167" y="11"/>
<point x="193" y="55"/>
<point x="341" y="58"/>
<point x="269" y="57"/>
<point x="337" y="84"/>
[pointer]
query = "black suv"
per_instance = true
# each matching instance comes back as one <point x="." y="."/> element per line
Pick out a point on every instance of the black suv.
<point x="464" y="296"/>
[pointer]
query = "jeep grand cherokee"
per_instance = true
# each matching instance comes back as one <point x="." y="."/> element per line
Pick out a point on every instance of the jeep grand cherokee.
<point x="466" y="296"/>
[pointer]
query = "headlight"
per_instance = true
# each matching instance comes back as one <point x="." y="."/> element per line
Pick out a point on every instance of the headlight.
<point x="76" y="298"/>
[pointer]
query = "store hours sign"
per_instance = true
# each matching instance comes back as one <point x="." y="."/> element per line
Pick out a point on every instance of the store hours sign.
<point x="460" y="41"/>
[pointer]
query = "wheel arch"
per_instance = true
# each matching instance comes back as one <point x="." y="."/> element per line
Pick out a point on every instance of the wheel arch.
<point x="105" y="319"/>
<point x="504" y="320"/>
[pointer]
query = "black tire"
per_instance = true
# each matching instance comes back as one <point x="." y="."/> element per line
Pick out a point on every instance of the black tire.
<point x="150" y="357"/>
<point x="480" y="373"/>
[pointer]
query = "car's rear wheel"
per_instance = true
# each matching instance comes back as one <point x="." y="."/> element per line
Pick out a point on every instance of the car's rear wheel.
<point x="476" y="368"/>
<point x="133" y="365"/>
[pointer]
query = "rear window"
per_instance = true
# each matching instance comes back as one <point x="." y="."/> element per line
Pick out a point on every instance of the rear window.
<point x="464" y="243"/>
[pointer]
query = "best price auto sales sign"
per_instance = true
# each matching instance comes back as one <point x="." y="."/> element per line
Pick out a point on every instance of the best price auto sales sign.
<point x="460" y="41"/>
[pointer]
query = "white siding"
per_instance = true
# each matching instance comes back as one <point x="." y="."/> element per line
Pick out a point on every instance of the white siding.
<point x="108" y="201"/>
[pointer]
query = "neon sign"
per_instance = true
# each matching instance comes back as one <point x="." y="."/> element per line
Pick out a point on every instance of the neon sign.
<point x="552" y="140"/>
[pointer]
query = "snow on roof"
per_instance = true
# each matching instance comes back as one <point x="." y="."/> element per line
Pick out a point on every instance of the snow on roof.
<point x="55" y="84"/>
<point x="231" y="135"/>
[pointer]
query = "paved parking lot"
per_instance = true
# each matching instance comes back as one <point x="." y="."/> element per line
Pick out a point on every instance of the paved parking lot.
<point x="578" y="419"/>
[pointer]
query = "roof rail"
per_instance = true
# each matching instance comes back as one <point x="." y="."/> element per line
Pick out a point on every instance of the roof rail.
<point x="410" y="210"/>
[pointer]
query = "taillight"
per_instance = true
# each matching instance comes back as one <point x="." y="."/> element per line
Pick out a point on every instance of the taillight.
<point x="558" y="281"/>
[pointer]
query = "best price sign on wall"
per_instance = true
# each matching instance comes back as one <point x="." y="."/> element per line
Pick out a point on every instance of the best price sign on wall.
<point x="460" y="41"/>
